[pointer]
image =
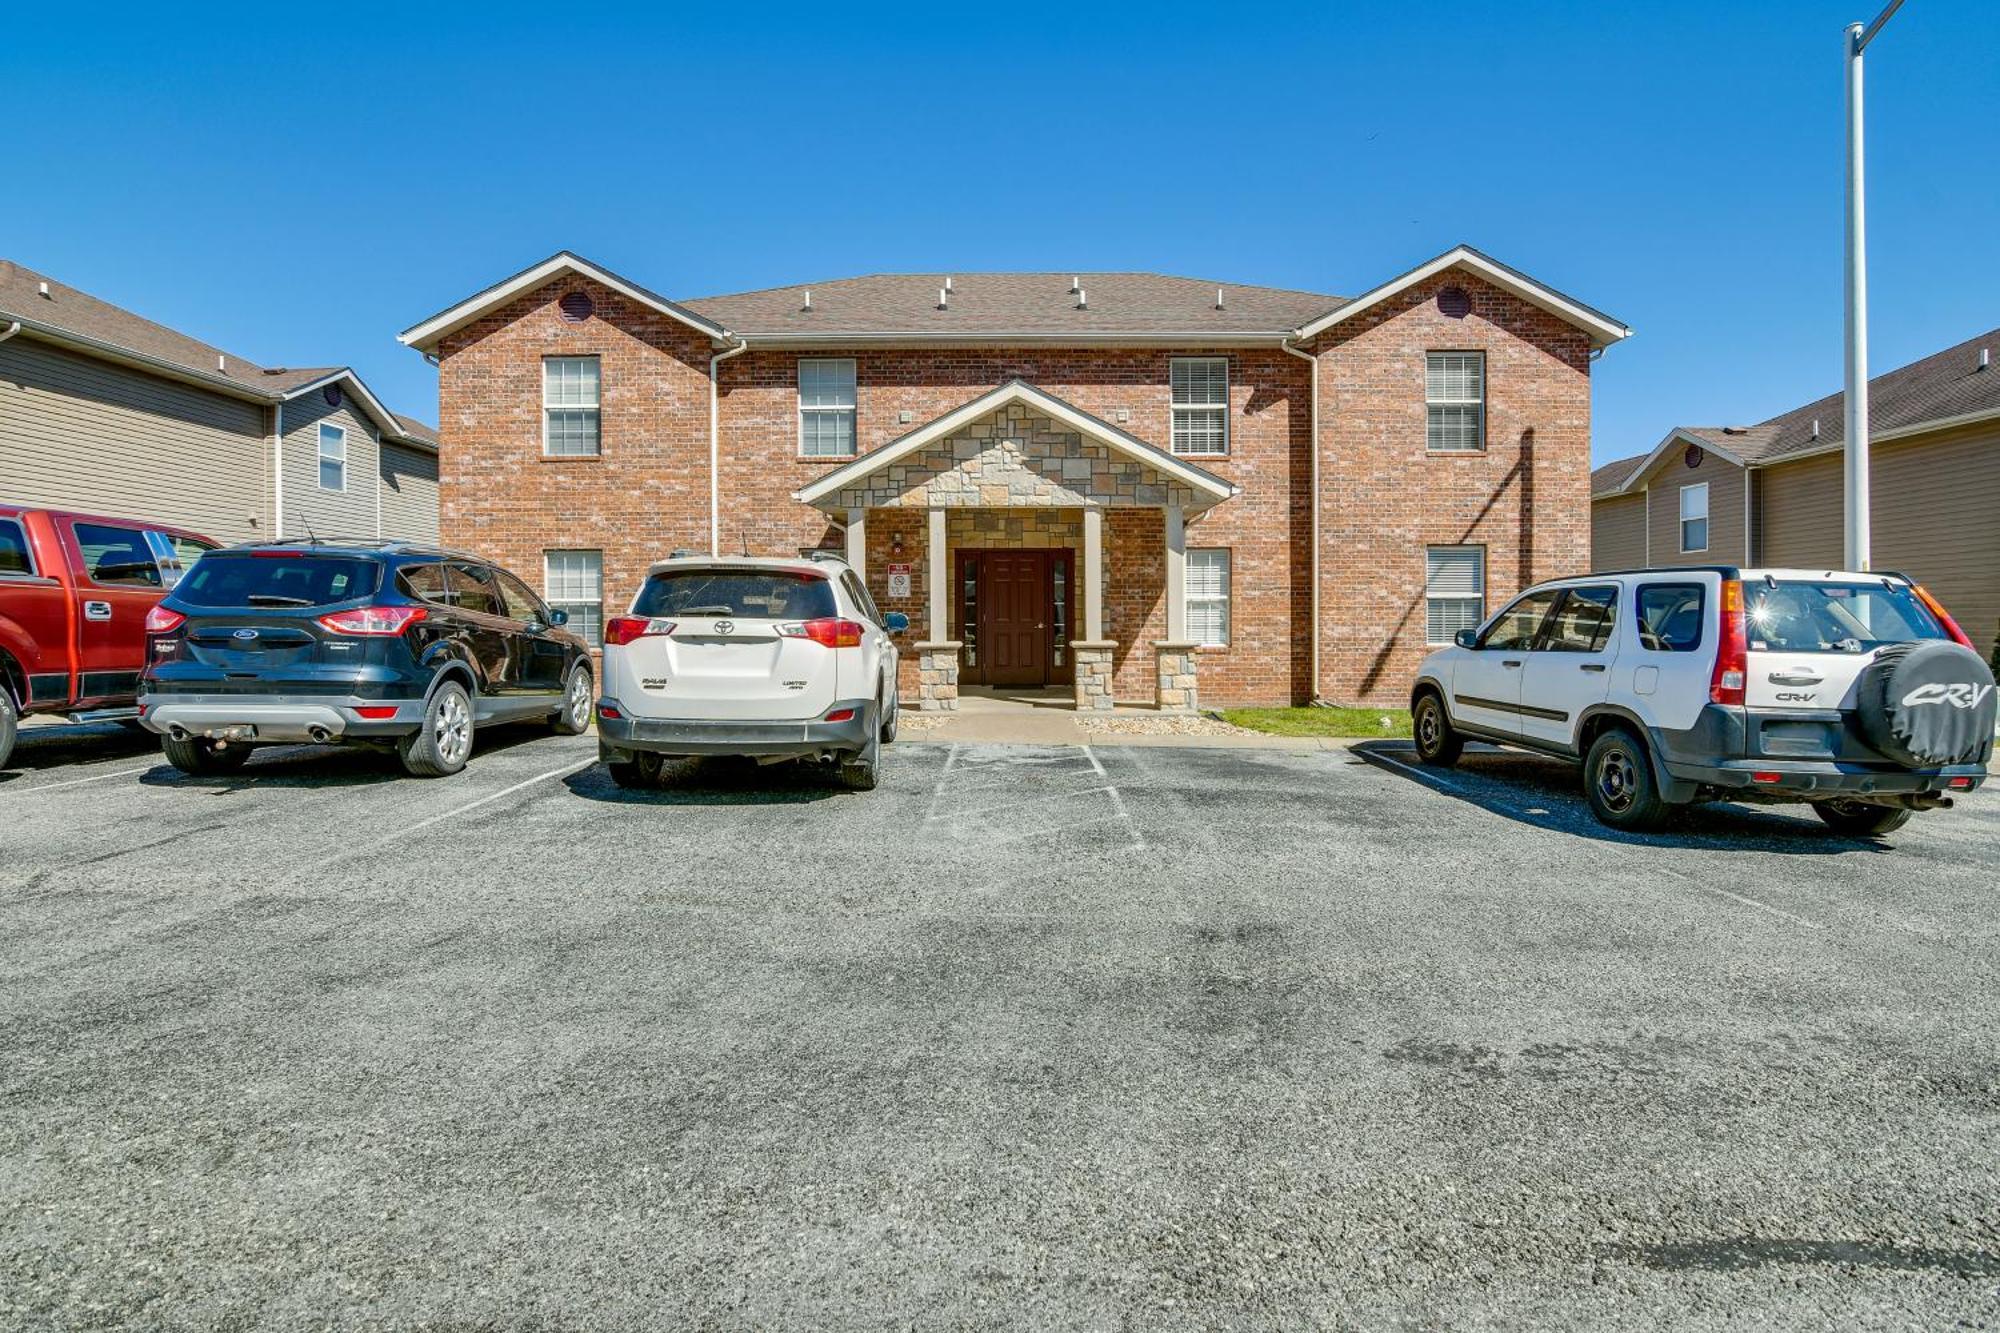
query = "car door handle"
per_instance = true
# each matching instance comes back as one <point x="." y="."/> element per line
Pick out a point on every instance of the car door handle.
<point x="1510" y="665"/>
<point x="1592" y="666"/>
<point x="1795" y="678"/>
<point x="97" y="610"/>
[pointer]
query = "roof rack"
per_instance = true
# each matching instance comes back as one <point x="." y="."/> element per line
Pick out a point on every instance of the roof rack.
<point x="374" y="544"/>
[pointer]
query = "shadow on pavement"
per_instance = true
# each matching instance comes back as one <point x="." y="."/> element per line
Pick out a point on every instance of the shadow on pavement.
<point x="44" y="747"/>
<point x="1545" y="792"/>
<point x="720" y="781"/>
<point x="335" y="765"/>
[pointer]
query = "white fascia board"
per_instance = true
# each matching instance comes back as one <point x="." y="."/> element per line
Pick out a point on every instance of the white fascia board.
<point x="384" y="418"/>
<point x="1678" y="435"/>
<point x="424" y="337"/>
<point x="933" y="338"/>
<point x="1048" y="404"/>
<point x="1603" y="330"/>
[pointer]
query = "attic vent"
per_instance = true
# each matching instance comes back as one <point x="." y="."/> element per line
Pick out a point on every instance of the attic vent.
<point x="1692" y="455"/>
<point x="576" y="307"/>
<point x="332" y="395"/>
<point x="1985" y="357"/>
<point x="1453" y="303"/>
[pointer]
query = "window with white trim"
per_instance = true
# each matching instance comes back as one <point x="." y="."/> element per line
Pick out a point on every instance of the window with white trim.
<point x="1455" y="402"/>
<point x="571" y="407"/>
<point x="573" y="581"/>
<point x="826" y="407"/>
<point x="1694" y="517"/>
<point x="1454" y="590"/>
<point x="1207" y="595"/>
<point x="332" y="457"/>
<point x="1200" y="404"/>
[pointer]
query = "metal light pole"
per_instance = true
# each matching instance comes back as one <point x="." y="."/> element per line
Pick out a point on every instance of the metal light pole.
<point x="1857" y="545"/>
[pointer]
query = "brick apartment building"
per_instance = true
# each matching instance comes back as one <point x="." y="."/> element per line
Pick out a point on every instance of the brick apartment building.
<point x="1134" y="486"/>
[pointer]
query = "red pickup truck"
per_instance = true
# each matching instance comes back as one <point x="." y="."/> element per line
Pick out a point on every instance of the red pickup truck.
<point x="74" y="593"/>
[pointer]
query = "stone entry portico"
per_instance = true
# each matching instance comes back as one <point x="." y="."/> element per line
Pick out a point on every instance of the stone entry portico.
<point x="1019" y="448"/>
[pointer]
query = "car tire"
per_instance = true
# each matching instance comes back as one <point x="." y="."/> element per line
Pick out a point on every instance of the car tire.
<point x="858" y="771"/>
<point x="201" y="756"/>
<point x="573" y="718"/>
<point x="441" y="746"/>
<point x="10" y="724"/>
<point x="1437" y="742"/>
<point x="1858" y="819"/>
<point x="890" y="712"/>
<point x="1618" y="783"/>
<point x="642" y="772"/>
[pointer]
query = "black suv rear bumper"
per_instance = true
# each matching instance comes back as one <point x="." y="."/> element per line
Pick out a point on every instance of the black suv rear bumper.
<point x="276" y="717"/>
<point x="619" y="737"/>
<point x="1775" y="747"/>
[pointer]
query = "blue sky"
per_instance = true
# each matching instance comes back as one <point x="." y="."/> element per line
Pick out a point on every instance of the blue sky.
<point x="298" y="183"/>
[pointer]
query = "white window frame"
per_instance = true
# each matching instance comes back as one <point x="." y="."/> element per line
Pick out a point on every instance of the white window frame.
<point x="1479" y="595"/>
<point x="596" y="408"/>
<point x="852" y="410"/>
<point x="1177" y="409"/>
<point x="1189" y="598"/>
<point x="556" y="597"/>
<point x="339" y="459"/>
<point x="1477" y="402"/>
<point x="1702" y="518"/>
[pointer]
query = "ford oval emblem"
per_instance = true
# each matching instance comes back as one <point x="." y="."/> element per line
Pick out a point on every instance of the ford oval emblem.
<point x="244" y="634"/>
<point x="725" y="627"/>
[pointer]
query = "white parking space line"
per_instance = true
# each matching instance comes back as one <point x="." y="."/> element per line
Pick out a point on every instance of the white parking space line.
<point x="1692" y="882"/>
<point x="78" y="782"/>
<point x="1138" y="842"/>
<point x="944" y="775"/>
<point x="422" y="824"/>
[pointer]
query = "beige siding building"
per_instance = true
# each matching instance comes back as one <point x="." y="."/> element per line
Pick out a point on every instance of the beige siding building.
<point x="1771" y="494"/>
<point x="106" y="412"/>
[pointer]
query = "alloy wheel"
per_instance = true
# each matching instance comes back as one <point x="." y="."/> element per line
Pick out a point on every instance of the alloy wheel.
<point x="1429" y="726"/>
<point x="1617" y="782"/>
<point x="579" y="700"/>
<point x="454" y="728"/>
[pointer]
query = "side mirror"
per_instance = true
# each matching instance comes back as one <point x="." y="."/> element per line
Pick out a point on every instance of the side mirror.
<point x="1466" y="638"/>
<point x="558" y="617"/>
<point x="896" y="622"/>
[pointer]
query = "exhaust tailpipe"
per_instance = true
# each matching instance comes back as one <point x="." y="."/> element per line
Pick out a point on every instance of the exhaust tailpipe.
<point x="178" y="732"/>
<point x="320" y="735"/>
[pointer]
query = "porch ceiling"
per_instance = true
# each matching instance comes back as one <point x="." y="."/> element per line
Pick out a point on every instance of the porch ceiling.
<point x="1017" y="445"/>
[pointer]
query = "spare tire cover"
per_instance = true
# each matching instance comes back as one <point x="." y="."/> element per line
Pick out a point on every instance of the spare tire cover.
<point x="1928" y="703"/>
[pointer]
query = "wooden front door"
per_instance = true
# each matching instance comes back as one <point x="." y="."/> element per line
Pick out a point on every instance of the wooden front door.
<point x="1014" y="617"/>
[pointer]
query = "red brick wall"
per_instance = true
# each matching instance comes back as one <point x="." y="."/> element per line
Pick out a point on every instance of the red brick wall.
<point x="1384" y="499"/>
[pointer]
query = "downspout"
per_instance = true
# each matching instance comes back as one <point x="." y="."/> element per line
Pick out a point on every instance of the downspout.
<point x="278" y="472"/>
<point x="715" y="446"/>
<point x="1313" y="362"/>
<point x="12" y="329"/>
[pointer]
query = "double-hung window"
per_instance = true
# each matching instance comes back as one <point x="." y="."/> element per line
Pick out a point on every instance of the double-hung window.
<point x="1694" y="517"/>
<point x="1200" y="404"/>
<point x="573" y="581"/>
<point x="332" y="457"/>
<point x="1208" y="596"/>
<point x="1455" y="402"/>
<point x="1454" y="590"/>
<point x="571" y="391"/>
<point x="826" y="407"/>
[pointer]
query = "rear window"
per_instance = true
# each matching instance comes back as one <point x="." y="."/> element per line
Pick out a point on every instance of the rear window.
<point x="277" y="580"/>
<point x="1812" y="617"/>
<point x="14" y="549"/>
<point x="752" y="594"/>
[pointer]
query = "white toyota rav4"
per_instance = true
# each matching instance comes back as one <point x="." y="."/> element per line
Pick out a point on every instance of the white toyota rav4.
<point x="1855" y="692"/>
<point x="769" y="658"/>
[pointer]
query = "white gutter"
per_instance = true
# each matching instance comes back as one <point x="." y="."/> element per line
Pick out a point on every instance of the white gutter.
<point x="12" y="329"/>
<point x="1313" y="362"/>
<point x="715" y="448"/>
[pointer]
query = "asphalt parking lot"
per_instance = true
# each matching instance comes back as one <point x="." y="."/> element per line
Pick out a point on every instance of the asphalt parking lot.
<point x="1101" y="1038"/>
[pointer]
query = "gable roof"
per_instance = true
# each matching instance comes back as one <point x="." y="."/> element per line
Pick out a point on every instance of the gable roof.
<point x="426" y="334"/>
<point x="1019" y="391"/>
<point x="1611" y="478"/>
<point x="1603" y="329"/>
<point x="58" y="313"/>
<point x="1942" y="389"/>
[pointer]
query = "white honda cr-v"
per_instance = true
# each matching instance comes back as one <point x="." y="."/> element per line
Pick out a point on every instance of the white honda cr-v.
<point x="1854" y="692"/>
<point x="769" y="658"/>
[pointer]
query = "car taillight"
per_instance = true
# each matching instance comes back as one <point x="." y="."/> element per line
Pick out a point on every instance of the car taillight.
<point x="1944" y="617"/>
<point x="841" y="715"/>
<point x="373" y="620"/>
<point x="159" y="620"/>
<point x="622" y="630"/>
<point x="830" y="633"/>
<point x="375" y="712"/>
<point x="1732" y="648"/>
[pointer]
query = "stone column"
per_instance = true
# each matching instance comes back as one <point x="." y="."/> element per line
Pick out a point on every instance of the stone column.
<point x="1093" y="673"/>
<point x="937" y="677"/>
<point x="1175" y="659"/>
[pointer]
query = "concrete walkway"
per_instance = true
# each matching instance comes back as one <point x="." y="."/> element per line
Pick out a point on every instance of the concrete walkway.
<point x="1050" y="718"/>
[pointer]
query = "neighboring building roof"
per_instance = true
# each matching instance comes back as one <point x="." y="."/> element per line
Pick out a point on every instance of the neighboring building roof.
<point x="1611" y="478"/>
<point x="60" y="313"/>
<point x="1019" y="391"/>
<point x="1603" y="329"/>
<point x="1942" y="389"/>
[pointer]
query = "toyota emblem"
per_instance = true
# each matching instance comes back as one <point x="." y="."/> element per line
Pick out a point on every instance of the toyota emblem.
<point x="725" y="627"/>
<point x="244" y="634"/>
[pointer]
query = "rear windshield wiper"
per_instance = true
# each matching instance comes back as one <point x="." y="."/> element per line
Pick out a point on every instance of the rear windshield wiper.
<point x="709" y="611"/>
<point x="276" y="599"/>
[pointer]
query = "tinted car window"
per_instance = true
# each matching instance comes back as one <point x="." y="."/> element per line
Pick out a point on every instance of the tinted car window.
<point x="1583" y="625"/>
<point x="1671" y="617"/>
<point x="758" y="594"/>
<point x="425" y="583"/>
<point x="117" y="555"/>
<point x="14" y="549"/>
<point x="522" y="604"/>
<point x="187" y="549"/>
<point x="858" y="590"/>
<point x="1812" y="617"/>
<point x="288" y="578"/>
<point x="1515" y="629"/>
<point x="473" y="590"/>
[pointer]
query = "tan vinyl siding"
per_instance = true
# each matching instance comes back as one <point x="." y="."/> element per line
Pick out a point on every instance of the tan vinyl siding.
<point x="77" y="433"/>
<point x="1725" y="511"/>
<point x="1618" y="533"/>
<point x="1936" y="518"/>
<point x="348" y="513"/>
<point x="409" y="493"/>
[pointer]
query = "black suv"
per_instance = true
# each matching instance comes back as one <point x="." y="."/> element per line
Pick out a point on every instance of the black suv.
<point x="354" y="642"/>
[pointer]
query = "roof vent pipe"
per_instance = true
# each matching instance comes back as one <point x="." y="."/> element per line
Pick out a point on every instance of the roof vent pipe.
<point x="809" y="300"/>
<point x="43" y="289"/>
<point x="1218" y="298"/>
<point x="1076" y="286"/>
<point x="947" y="284"/>
<point x="944" y="298"/>
<point x="222" y="364"/>
<point x="1985" y="357"/>
<point x="1082" y="299"/>
<point x="1815" y="433"/>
